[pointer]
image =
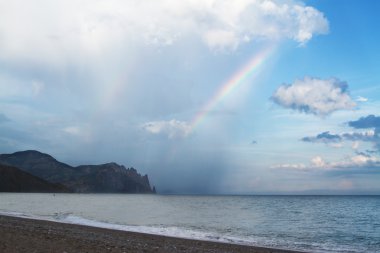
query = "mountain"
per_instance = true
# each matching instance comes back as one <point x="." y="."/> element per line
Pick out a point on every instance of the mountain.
<point x="15" y="180"/>
<point x="40" y="165"/>
<point x="105" y="178"/>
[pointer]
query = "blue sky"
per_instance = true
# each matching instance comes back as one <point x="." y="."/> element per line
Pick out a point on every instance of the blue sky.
<point x="96" y="81"/>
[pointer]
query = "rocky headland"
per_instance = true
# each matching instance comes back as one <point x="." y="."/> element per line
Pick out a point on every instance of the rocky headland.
<point x="33" y="171"/>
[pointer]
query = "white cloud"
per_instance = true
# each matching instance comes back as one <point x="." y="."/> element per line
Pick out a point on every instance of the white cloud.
<point x="291" y="166"/>
<point x="219" y="39"/>
<point x="172" y="128"/>
<point x="73" y="130"/>
<point x="318" y="163"/>
<point x="364" y="160"/>
<point x="316" y="96"/>
<point x="57" y="30"/>
<point x="361" y="99"/>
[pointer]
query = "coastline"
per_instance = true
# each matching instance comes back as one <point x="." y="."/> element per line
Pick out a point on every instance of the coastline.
<point x="31" y="235"/>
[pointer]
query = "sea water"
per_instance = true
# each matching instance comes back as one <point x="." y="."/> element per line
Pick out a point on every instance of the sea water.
<point x="309" y="223"/>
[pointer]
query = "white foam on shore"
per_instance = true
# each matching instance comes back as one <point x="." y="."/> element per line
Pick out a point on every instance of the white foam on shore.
<point x="156" y="230"/>
<point x="176" y="232"/>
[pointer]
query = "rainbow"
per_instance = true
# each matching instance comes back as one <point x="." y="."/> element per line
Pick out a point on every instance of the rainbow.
<point x="250" y="68"/>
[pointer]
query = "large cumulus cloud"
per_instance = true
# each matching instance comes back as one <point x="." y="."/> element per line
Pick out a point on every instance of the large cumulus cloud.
<point x="55" y="30"/>
<point x="314" y="96"/>
<point x="80" y="79"/>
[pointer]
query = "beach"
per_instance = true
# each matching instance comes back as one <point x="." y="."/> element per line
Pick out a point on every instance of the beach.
<point x="29" y="235"/>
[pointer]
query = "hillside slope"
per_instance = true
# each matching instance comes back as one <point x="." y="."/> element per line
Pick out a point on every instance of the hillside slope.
<point x="13" y="179"/>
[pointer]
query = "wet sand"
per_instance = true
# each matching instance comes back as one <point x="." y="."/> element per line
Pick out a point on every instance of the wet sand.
<point x="35" y="236"/>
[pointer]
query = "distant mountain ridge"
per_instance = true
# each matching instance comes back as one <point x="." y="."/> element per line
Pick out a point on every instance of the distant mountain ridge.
<point x="13" y="179"/>
<point x="104" y="178"/>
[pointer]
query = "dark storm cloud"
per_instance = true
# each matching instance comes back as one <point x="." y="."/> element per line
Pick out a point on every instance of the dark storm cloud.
<point x="324" y="137"/>
<point x="359" y="137"/>
<point x="371" y="121"/>
<point x="327" y="138"/>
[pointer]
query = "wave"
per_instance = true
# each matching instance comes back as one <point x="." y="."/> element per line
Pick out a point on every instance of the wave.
<point x="180" y="232"/>
<point x="177" y="232"/>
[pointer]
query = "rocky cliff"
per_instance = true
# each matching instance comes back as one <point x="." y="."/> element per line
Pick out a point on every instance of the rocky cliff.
<point x="105" y="178"/>
<point x="109" y="177"/>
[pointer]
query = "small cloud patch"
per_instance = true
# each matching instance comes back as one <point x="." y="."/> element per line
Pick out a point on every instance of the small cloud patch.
<point x="324" y="137"/>
<point x="172" y="128"/>
<point x="318" y="163"/>
<point x="361" y="99"/>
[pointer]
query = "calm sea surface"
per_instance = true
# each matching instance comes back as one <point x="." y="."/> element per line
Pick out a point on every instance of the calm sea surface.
<point x="312" y="223"/>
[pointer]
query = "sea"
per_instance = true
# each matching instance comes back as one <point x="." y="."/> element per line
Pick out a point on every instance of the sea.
<point x="305" y="223"/>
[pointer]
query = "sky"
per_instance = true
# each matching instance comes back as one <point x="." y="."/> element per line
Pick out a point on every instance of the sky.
<point x="205" y="96"/>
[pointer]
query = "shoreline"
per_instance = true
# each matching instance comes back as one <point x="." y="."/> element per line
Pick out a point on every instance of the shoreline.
<point x="31" y="235"/>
